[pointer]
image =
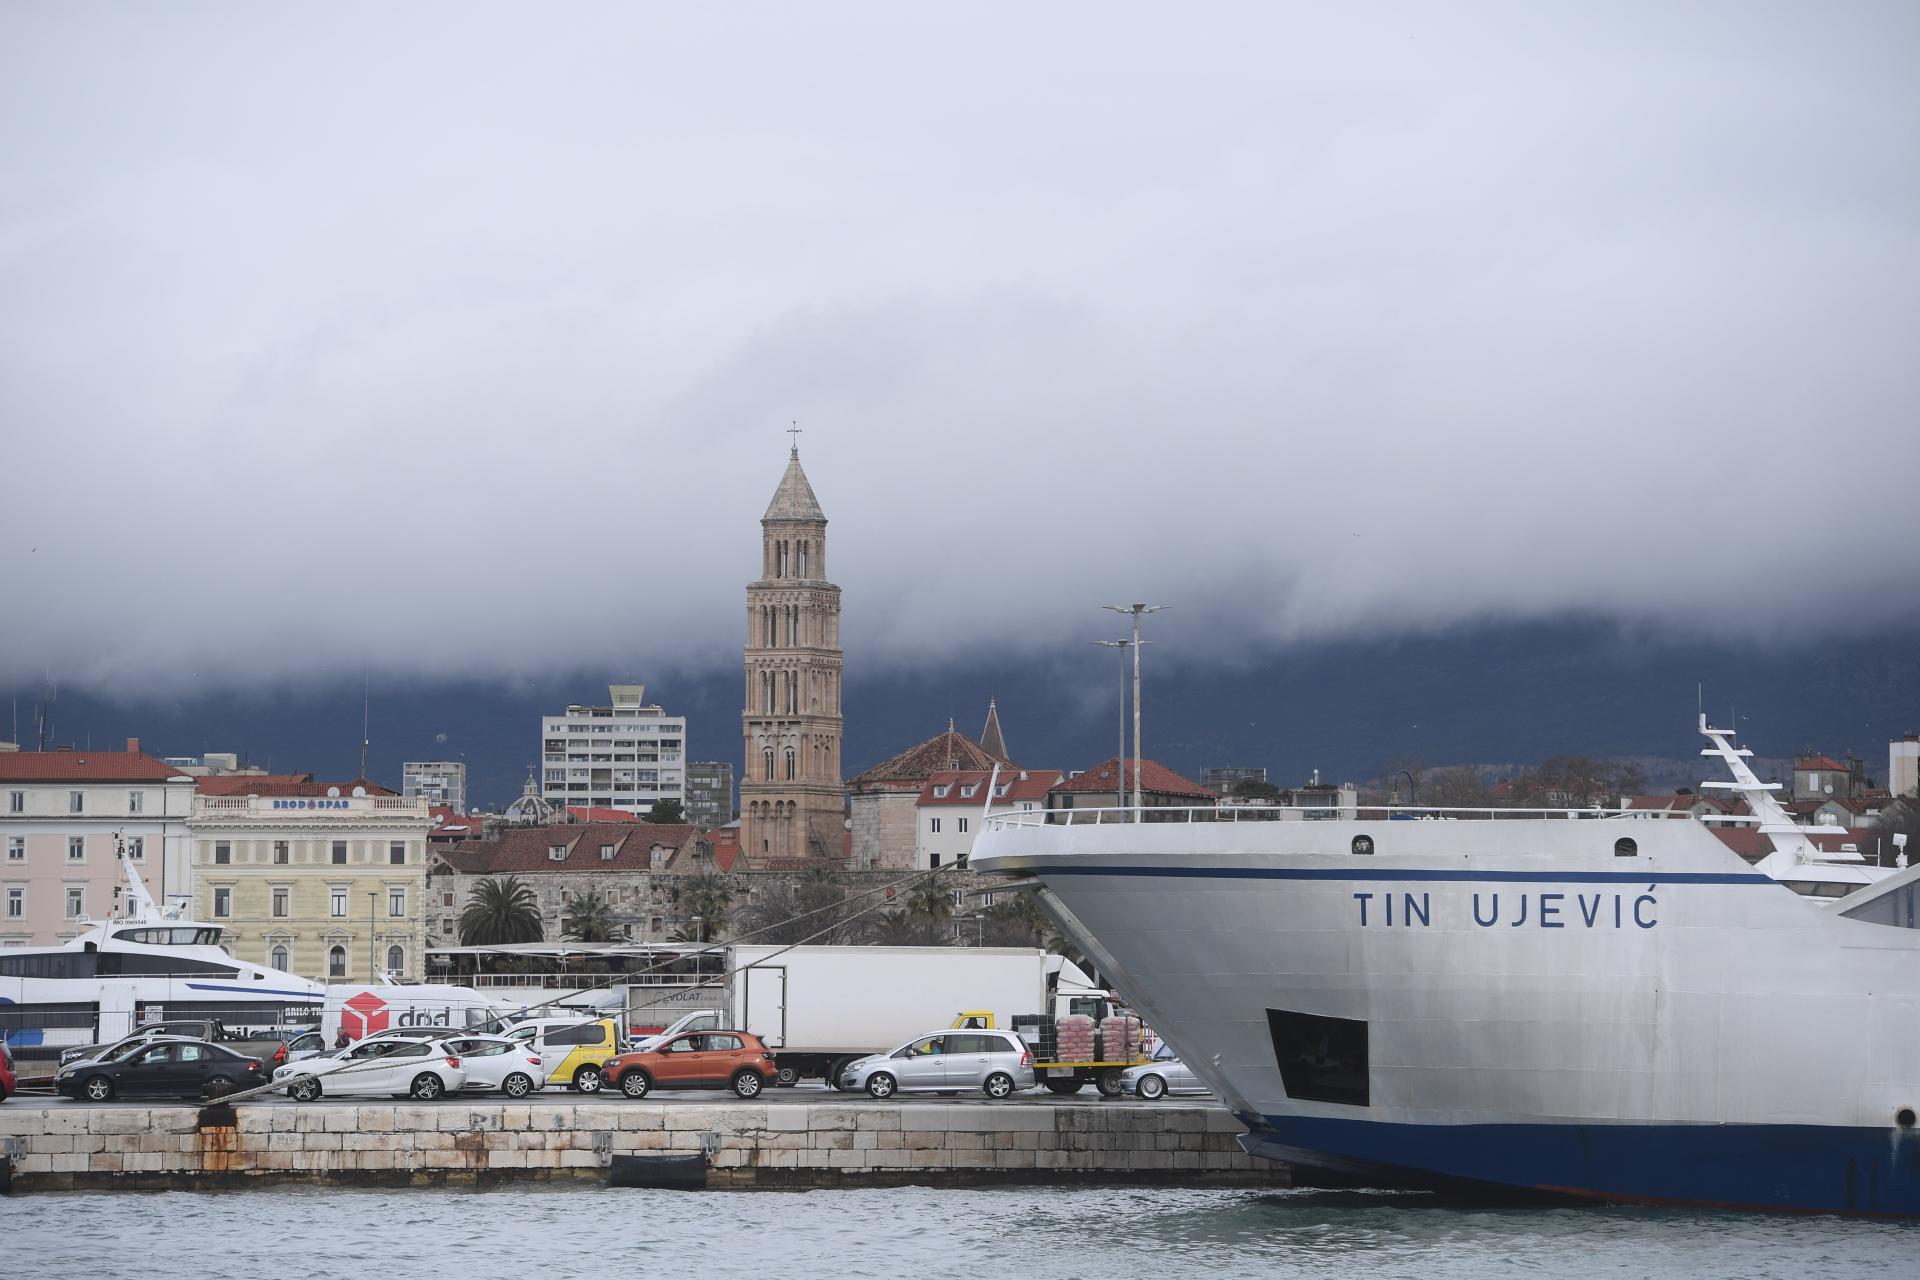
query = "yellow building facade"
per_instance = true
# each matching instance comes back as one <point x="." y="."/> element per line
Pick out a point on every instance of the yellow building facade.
<point x="329" y="886"/>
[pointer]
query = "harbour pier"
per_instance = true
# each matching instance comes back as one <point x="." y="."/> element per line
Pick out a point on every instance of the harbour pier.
<point x="783" y="1143"/>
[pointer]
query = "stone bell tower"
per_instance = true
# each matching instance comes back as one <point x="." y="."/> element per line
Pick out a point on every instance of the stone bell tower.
<point x="792" y="801"/>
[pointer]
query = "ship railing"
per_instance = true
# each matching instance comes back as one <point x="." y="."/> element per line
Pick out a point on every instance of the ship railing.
<point x="1029" y="818"/>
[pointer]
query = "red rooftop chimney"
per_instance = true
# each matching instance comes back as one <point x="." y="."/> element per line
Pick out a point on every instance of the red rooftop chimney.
<point x="133" y="746"/>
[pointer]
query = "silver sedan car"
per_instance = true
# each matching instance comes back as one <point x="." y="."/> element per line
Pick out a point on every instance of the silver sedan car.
<point x="994" y="1062"/>
<point x="1164" y="1075"/>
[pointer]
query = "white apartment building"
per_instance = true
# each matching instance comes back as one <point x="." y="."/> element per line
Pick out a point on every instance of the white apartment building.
<point x="442" y="782"/>
<point x="65" y="817"/>
<point x="625" y="756"/>
<point x="953" y="802"/>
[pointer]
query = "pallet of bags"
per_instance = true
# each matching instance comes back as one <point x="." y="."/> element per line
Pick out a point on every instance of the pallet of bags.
<point x="1074" y="1034"/>
<point x="1120" y="1037"/>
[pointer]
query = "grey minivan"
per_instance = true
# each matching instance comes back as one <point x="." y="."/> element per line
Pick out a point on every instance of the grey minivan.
<point x="995" y="1062"/>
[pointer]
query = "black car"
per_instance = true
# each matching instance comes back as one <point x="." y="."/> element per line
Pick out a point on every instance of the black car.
<point x="173" y="1069"/>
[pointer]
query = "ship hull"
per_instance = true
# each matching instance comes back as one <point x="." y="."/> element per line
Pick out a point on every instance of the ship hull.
<point x="1510" y="1005"/>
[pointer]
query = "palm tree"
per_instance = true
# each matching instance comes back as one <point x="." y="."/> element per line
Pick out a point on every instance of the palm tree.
<point x="1015" y="921"/>
<point x="703" y="902"/>
<point x="590" y="919"/>
<point x="930" y="902"/>
<point x="896" y="928"/>
<point x="498" y="912"/>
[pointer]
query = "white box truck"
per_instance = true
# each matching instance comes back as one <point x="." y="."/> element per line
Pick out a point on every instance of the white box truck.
<point x="820" y="1007"/>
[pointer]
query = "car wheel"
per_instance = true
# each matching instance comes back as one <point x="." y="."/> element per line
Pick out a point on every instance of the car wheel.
<point x="635" y="1083"/>
<point x="217" y="1086"/>
<point x="517" y="1085"/>
<point x="304" y="1090"/>
<point x="426" y="1087"/>
<point x="998" y="1085"/>
<point x="1108" y="1082"/>
<point x="748" y="1083"/>
<point x="587" y="1079"/>
<point x="1151" y="1087"/>
<point x="97" y="1089"/>
<point x="880" y="1085"/>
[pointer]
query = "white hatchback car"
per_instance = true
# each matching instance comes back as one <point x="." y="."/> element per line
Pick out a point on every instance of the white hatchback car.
<point x="995" y="1062"/>
<point x="420" y="1069"/>
<point x="497" y="1063"/>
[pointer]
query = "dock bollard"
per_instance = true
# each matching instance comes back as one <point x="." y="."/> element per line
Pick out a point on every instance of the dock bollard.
<point x="674" y="1173"/>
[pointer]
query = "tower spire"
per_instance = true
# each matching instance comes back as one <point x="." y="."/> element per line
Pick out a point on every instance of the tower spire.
<point x="991" y="737"/>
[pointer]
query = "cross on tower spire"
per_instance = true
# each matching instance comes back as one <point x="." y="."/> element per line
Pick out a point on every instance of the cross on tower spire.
<point x="793" y="438"/>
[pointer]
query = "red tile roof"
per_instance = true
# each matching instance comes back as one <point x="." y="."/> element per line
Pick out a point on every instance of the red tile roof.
<point x="83" y="766"/>
<point x="524" y="850"/>
<point x="943" y="751"/>
<point x="1020" y="784"/>
<point x="586" y="813"/>
<point x="286" y="785"/>
<point x="1751" y="845"/>
<point x="236" y="784"/>
<point x="1155" y="779"/>
<point x="1819" y="762"/>
<point x="449" y="826"/>
<point x="726" y="849"/>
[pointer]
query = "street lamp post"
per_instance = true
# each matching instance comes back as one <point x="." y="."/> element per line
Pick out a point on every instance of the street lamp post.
<point x="1120" y="759"/>
<point x="373" y="907"/>
<point x="1136" y="610"/>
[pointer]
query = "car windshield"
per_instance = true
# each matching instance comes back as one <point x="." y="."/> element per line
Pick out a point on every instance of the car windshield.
<point x="1166" y="1054"/>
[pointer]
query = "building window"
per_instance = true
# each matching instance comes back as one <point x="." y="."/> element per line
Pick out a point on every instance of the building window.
<point x="222" y="853"/>
<point x="963" y="826"/>
<point x="136" y="802"/>
<point x="396" y="902"/>
<point x="16" y="848"/>
<point x="396" y="959"/>
<point x="336" y="962"/>
<point x="933" y="860"/>
<point x="933" y="825"/>
<point x="16" y="802"/>
<point x="136" y="848"/>
<point x="397" y="854"/>
<point x="76" y="902"/>
<point x="446" y="899"/>
<point x="790" y="759"/>
<point x="16" y="903"/>
<point x="606" y="853"/>
<point x="278" y="958"/>
<point x="556" y="853"/>
<point x="339" y="900"/>
<point x="279" y="853"/>
<point x="76" y="801"/>
<point x="339" y="853"/>
<point x="76" y="848"/>
<point x="222" y="903"/>
<point x="769" y="764"/>
<point x="280" y="897"/>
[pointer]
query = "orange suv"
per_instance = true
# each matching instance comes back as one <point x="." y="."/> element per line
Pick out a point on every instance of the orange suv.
<point x="695" y="1060"/>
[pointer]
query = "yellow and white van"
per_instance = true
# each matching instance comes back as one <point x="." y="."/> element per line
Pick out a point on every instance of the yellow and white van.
<point x="573" y="1051"/>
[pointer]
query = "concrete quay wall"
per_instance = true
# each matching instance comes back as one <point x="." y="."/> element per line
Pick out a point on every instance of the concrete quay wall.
<point x="778" y="1144"/>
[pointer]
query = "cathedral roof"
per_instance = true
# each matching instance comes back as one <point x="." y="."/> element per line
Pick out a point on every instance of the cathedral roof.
<point x="990" y="737"/>
<point x="941" y="753"/>
<point x="794" y="499"/>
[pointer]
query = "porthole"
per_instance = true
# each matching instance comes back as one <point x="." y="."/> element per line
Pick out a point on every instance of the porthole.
<point x="1904" y="1117"/>
<point x="1625" y="847"/>
<point x="1362" y="846"/>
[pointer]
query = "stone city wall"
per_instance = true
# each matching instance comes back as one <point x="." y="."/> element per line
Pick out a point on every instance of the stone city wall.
<point x="781" y="1144"/>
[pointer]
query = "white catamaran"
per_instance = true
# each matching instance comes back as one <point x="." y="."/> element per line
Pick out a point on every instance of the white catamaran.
<point x="1567" y="1001"/>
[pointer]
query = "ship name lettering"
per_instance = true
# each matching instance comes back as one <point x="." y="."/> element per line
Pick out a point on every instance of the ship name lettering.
<point x="1546" y="912"/>
<point x="1413" y="907"/>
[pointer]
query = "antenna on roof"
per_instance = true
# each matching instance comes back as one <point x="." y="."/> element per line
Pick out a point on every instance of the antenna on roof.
<point x="366" y="705"/>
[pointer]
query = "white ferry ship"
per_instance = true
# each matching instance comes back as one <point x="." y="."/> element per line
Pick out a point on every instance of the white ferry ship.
<point x="1571" y="1002"/>
<point x="143" y="966"/>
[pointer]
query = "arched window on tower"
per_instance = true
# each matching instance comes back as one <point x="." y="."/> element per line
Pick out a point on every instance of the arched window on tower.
<point x="790" y="763"/>
<point x="769" y="763"/>
<point x="803" y="558"/>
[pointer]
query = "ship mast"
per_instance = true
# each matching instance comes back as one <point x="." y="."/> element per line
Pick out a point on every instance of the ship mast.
<point x="1792" y="846"/>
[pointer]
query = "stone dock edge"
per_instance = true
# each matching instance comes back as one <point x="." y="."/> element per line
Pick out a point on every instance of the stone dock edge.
<point x="788" y="1144"/>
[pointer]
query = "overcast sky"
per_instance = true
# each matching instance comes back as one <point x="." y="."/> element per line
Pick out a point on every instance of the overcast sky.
<point x="462" y="338"/>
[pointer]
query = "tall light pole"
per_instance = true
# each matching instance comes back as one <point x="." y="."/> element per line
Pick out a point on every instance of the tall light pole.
<point x="1136" y="610"/>
<point x="1120" y="759"/>
<point x="373" y="906"/>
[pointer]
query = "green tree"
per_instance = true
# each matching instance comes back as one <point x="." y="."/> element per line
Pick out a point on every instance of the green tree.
<point x="703" y="901"/>
<point x="670" y="812"/>
<point x="590" y="919"/>
<point x="809" y="907"/>
<point x="930" y="902"/>
<point x="897" y="928"/>
<point x="500" y="911"/>
<point x="1016" y="920"/>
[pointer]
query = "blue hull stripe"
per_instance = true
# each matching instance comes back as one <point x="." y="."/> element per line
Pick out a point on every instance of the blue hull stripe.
<point x="1772" y="1167"/>
<point x="1382" y="873"/>
<point x="253" y="991"/>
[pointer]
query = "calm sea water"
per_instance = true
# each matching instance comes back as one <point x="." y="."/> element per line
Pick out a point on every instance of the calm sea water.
<point x="1009" y="1234"/>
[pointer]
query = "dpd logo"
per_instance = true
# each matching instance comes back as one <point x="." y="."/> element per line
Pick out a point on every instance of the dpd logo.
<point x="363" y="1015"/>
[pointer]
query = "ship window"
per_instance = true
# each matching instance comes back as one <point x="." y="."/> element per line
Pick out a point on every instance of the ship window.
<point x="1362" y="846"/>
<point x="1625" y="847"/>
<point x="1321" y="1059"/>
